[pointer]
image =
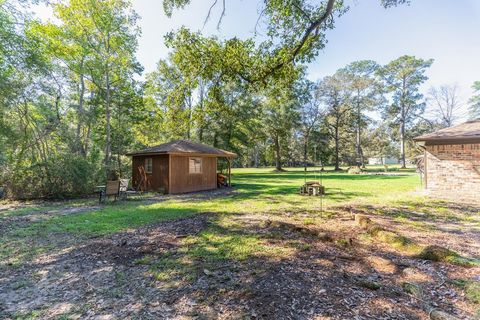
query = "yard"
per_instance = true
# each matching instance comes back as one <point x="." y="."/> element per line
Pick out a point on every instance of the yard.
<point x="256" y="251"/>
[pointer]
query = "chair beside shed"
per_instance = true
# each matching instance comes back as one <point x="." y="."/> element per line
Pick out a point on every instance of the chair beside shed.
<point x="111" y="189"/>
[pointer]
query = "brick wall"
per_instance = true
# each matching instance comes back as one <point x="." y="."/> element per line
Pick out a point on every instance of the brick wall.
<point x="453" y="171"/>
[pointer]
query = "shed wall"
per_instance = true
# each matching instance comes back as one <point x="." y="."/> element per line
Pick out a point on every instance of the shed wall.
<point x="453" y="171"/>
<point x="182" y="181"/>
<point x="158" y="179"/>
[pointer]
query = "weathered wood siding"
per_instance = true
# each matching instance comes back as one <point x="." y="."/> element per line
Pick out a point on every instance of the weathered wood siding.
<point x="453" y="171"/>
<point x="158" y="179"/>
<point x="182" y="181"/>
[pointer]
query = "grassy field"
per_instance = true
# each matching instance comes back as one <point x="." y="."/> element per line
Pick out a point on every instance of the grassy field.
<point x="248" y="230"/>
<point x="255" y="190"/>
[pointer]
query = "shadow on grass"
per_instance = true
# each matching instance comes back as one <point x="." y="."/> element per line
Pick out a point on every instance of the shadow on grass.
<point x="427" y="210"/>
<point x="451" y="225"/>
<point x="327" y="176"/>
<point x="209" y="266"/>
<point x="251" y="190"/>
<point x="22" y="240"/>
<point x="22" y="244"/>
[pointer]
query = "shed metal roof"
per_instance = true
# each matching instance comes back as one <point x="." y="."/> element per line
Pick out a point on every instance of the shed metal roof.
<point x="463" y="133"/>
<point x="183" y="147"/>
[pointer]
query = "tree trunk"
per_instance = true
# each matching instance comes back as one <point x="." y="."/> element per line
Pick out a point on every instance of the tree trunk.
<point x="402" y="123"/>
<point x="107" y="126"/>
<point x="189" y="123"/>
<point x="278" y="160"/>
<point x="119" y="143"/>
<point x="86" y="141"/>
<point x="337" y="142"/>
<point x="402" y="143"/>
<point x="359" y="138"/>
<point x="200" y="134"/>
<point x="80" y="114"/>
<point x="119" y="164"/>
<point x="201" y="117"/>
<point x="215" y="139"/>
<point x="305" y="146"/>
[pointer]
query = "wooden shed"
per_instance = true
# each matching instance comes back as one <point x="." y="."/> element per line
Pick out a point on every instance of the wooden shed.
<point x="452" y="161"/>
<point x="178" y="167"/>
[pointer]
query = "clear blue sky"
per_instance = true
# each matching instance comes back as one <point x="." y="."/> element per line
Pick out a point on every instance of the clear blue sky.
<point x="446" y="30"/>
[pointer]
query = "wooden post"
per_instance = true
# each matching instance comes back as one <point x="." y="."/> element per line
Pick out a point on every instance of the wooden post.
<point x="425" y="177"/>
<point x="229" y="172"/>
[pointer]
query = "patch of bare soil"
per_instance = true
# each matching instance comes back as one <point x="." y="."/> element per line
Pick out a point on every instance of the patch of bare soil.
<point x="10" y="221"/>
<point x="334" y="273"/>
<point x="99" y="277"/>
<point x="355" y="278"/>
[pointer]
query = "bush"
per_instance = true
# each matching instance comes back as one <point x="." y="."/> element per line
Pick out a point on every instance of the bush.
<point x="60" y="176"/>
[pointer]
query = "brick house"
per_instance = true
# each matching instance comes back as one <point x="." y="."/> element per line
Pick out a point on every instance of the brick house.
<point x="452" y="162"/>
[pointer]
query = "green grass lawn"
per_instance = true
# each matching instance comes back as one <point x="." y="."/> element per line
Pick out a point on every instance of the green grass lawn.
<point x="261" y="187"/>
<point x="260" y="223"/>
<point x="255" y="191"/>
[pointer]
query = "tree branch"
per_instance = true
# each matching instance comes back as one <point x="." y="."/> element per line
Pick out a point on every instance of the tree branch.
<point x="314" y="27"/>
<point x="210" y="13"/>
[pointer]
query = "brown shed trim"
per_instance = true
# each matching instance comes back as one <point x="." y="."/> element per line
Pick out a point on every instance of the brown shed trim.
<point x="183" y="154"/>
<point x="184" y="147"/>
<point x="425" y="168"/>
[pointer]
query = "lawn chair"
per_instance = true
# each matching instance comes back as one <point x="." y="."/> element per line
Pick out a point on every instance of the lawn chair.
<point x="123" y="188"/>
<point x="111" y="189"/>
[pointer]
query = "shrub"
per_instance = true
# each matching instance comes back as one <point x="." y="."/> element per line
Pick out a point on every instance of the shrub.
<point x="60" y="176"/>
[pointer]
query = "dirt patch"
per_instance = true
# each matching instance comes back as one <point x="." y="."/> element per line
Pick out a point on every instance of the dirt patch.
<point x="332" y="271"/>
<point x="98" y="274"/>
<point x="382" y="265"/>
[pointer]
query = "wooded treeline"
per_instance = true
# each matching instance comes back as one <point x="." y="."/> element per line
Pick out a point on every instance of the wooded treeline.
<point x="72" y="104"/>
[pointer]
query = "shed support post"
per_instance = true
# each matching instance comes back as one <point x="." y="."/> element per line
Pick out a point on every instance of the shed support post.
<point x="229" y="172"/>
<point x="425" y="160"/>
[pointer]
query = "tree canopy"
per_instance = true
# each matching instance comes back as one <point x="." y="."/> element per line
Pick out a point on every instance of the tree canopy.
<point x="73" y="101"/>
<point x="403" y="78"/>
<point x="295" y="30"/>
<point x="474" y="109"/>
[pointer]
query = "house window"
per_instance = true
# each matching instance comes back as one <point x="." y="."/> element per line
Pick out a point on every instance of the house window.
<point x="148" y="165"/>
<point x="195" y="165"/>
